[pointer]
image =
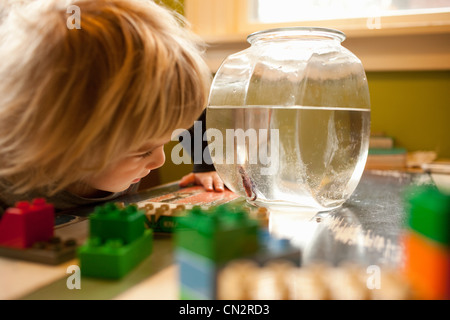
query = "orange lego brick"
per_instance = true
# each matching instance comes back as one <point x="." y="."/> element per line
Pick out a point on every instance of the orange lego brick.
<point x="427" y="266"/>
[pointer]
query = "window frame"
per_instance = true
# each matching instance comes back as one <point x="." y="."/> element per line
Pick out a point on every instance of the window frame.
<point x="403" y="42"/>
<point x="412" y="23"/>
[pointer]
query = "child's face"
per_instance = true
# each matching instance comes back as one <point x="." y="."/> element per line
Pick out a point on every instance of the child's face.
<point x="130" y="169"/>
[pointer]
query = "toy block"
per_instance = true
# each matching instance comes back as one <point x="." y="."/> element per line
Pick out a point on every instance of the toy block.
<point x="220" y="234"/>
<point x="427" y="243"/>
<point x="26" y="233"/>
<point x="429" y="214"/>
<point x="117" y="243"/>
<point x="163" y="217"/>
<point x="205" y="240"/>
<point x="261" y="214"/>
<point x="27" y="223"/>
<point x="272" y="248"/>
<point x="208" y="239"/>
<point x="245" y="280"/>
<point x="51" y="252"/>
<point x="427" y="267"/>
<point x="281" y="280"/>
<point x="113" y="259"/>
<point x="236" y="281"/>
<point x="197" y="276"/>
<point x="109" y="221"/>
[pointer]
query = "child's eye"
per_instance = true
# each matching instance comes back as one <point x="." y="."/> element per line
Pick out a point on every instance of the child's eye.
<point x="145" y="155"/>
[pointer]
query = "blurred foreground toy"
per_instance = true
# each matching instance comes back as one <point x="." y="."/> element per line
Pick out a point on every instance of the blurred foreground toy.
<point x="163" y="217"/>
<point x="207" y="239"/>
<point x="117" y="243"/>
<point x="427" y="243"/>
<point x="27" y="233"/>
<point x="281" y="280"/>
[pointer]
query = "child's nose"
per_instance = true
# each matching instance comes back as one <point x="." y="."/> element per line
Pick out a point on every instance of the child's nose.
<point x="158" y="160"/>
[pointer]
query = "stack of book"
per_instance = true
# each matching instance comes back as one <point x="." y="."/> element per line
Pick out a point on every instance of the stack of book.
<point x="383" y="154"/>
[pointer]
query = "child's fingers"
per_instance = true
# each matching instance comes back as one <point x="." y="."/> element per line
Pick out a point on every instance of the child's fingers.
<point x="218" y="183"/>
<point x="207" y="183"/>
<point x="209" y="180"/>
<point x="187" y="179"/>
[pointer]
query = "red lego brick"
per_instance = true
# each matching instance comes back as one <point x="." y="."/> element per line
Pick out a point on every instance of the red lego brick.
<point x="27" y="223"/>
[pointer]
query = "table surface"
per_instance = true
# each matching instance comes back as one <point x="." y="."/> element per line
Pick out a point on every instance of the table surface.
<point x="364" y="230"/>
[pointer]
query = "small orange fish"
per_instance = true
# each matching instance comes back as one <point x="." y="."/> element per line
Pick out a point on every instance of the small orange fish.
<point x="248" y="184"/>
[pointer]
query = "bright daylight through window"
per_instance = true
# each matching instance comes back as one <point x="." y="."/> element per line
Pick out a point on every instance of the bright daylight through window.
<point x="270" y="11"/>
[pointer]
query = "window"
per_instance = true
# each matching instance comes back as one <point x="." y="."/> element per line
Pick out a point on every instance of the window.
<point x="385" y="34"/>
<point x="269" y="11"/>
<point x="354" y="17"/>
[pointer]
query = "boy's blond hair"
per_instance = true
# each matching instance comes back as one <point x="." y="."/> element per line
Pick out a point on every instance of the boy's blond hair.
<point x="73" y="99"/>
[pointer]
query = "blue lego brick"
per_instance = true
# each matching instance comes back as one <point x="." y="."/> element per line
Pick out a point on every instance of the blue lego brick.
<point x="271" y="248"/>
<point x="197" y="273"/>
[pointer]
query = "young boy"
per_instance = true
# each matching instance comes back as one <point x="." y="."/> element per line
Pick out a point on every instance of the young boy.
<point x="85" y="113"/>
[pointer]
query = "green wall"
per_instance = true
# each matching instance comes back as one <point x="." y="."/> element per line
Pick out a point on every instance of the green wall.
<point x="171" y="172"/>
<point x="413" y="107"/>
<point x="177" y="5"/>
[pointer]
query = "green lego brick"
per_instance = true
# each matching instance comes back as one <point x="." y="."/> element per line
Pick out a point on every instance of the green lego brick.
<point x="162" y="218"/>
<point x="165" y="224"/>
<point x="188" y="294"/>
<point x="111" y="222"/>
<point x="185" y="294"/>
<point x="220" y="234"/>
<point x="429" y="213"/>
<point x="113" y="259"/>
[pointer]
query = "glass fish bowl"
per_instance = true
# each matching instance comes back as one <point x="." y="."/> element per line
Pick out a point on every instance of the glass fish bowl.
<point x="288" y="119"/>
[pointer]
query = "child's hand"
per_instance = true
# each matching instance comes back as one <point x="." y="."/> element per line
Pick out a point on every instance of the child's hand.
<point x="209" y="180"/>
